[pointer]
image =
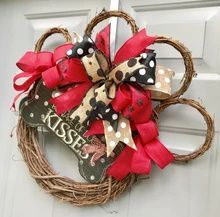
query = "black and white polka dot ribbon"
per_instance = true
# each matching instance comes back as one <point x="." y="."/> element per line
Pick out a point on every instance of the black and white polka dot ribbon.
<point x="140" y="70"/>
<point x="81" y="48"/>
<point x="96" y="103"/>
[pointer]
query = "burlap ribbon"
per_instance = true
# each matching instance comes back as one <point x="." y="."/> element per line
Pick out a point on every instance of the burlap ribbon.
<point x="96" y="103"/>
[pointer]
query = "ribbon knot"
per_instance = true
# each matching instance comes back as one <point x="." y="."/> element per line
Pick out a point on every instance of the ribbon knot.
<point x="32" y="65"/>
<point x="35" y="65"/>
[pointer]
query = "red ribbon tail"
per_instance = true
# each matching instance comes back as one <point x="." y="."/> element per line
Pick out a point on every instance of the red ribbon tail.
<point x="158" y="153"/>
<point x="96" y="127"/>
<point x="141" y="163"/>
<point x="23" y="87"/>
<point x="147" y="131"/>
<point x="121" y="166"/>
<point x="14" y="101"/>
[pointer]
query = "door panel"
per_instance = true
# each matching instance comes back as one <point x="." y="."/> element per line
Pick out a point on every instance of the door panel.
<point x="183" y="190"/>
<point x="23" y="22"/>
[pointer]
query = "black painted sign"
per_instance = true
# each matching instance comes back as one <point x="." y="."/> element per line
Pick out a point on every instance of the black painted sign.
<point x="90" y="151"/>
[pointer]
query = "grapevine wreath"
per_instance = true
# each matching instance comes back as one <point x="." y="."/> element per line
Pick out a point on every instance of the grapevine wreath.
<point x="101" y="109"/>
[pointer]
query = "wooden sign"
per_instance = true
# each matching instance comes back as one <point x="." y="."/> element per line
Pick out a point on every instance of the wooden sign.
<point x="90" y="151"/>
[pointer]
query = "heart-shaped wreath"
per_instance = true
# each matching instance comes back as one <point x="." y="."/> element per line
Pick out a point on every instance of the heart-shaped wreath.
<point x="100" y="109"/>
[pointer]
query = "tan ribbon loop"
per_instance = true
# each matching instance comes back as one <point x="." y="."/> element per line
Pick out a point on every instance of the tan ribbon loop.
<point x="125" y="69"/>
<point x="102" y="93"/>
<point x="103" y="61"/>
<point x="94" y="69"/>
<point x="110" y="89"/>
<point x="123" y="134"/>
<point x="86" y="106"/>
<point x="162" y="88"/>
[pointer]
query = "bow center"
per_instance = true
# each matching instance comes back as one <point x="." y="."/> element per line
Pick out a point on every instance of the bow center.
<point x="106" y="90"/>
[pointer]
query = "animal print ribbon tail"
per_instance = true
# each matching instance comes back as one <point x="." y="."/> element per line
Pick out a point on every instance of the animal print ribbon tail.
<point x="123" y="134"/>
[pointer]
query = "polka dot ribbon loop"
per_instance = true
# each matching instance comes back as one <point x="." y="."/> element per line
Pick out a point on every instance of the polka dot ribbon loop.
<point x="136" y="70"/>
<point x="122" y="134"/>
<point x="96" y="103"/>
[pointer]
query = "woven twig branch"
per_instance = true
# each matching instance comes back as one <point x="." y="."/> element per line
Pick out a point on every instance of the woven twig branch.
<point x="209" y="122"/>
<point x="107" y="14"/>
<point x="188" y="63"/>
<point x="64" y="188"/>
<point x="52" y="31"/>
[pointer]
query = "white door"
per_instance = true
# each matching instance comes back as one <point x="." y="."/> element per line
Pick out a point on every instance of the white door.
<point x="183" y="190"/>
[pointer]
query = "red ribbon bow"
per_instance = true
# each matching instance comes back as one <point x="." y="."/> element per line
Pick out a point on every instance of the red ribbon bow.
<point x="32" y="65"/>
<point x="67" y="72"/>
<point x="138" y="108"/>
<point x="73" y="73"/>
<point x="35" y="65"/>
<point x="55" y="70"/>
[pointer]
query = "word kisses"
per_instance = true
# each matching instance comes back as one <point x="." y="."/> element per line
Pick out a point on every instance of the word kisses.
<point x="68" y="135"/>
